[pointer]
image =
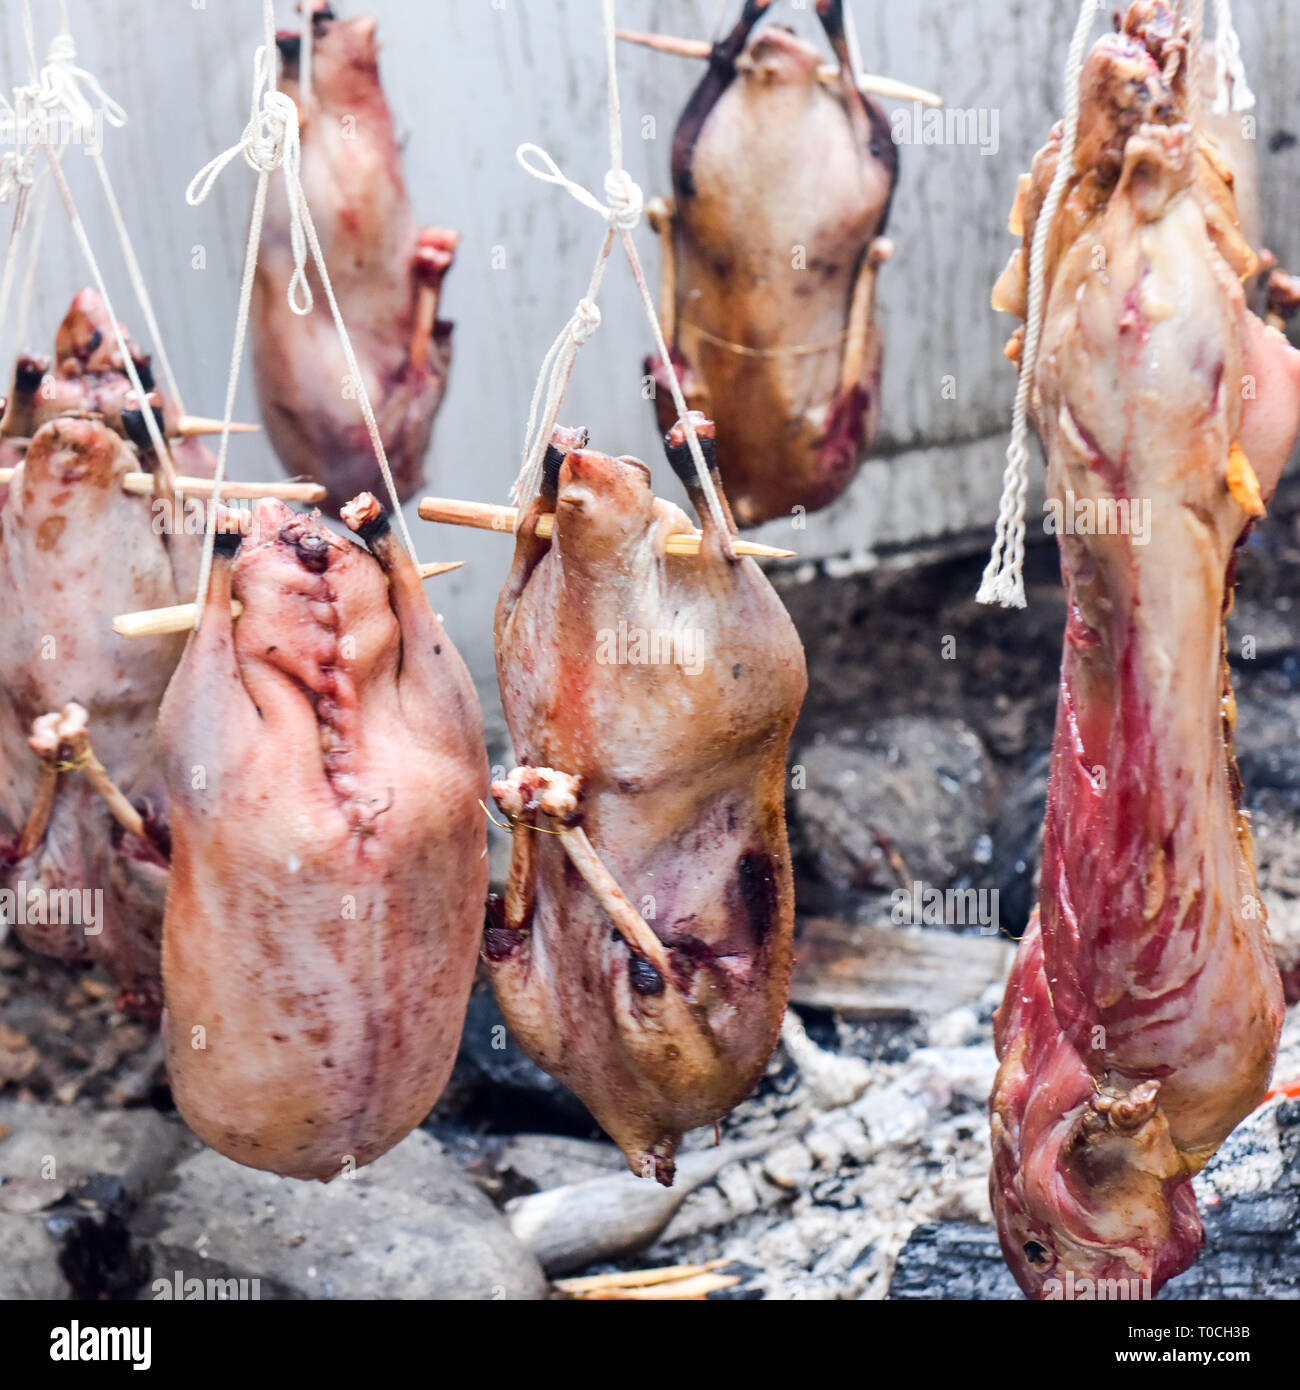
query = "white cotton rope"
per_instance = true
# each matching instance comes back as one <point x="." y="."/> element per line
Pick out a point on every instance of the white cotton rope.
<point x="60" y="91"/>
<point x="1231" y="68"/>
<point x="23" y="316"/>
<point x="16" y="179"/>
<point x="62" y="81"/>
<point x="621" y="210"/>
<point x="1003" y="580"/>
<point x="269" y="141"/>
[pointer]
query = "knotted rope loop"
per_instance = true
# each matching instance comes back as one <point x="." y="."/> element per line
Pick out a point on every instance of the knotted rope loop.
<point x="585" y="321"/>
<point x="1231" y="71"/>
<point x="623" y="197"/>
<point x="269" y="141"/>
<point x="71" y="89"/>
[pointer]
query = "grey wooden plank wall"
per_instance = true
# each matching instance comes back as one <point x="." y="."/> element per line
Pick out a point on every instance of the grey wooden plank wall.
<point x="471" y="79"/>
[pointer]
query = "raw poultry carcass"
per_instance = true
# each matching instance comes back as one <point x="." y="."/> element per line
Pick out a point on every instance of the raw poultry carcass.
<point x="386" y="275"/>
<point x="324" y="758"/>
<point x="75" y="549"/>
<point x="643" y="952"/>
<point x="86" y="375"/>
<point x="783" y="178"/>
<point x="1142" y="1016"/>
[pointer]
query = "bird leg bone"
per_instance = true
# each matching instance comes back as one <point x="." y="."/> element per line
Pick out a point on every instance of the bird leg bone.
<point x="62" y="741"/>
<point x="433" y="258"/>
<point x="863" y="303"/>
<point x="660" y="214"/>
<point x="528" y="790"/>
<point x="38" y="819"/>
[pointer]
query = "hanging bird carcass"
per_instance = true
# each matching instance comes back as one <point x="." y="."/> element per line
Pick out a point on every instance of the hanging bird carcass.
<point x="386" y="275"/>
<point x="642" y="953"/>
<point x="783" y="174"/>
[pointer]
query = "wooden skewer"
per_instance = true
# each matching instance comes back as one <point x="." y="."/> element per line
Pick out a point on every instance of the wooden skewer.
<point x="629" y="922"/>
<point x="489" y="516"/>
<point x="637" y="1278"/>
<point x="157" y="622"/>
<point x="191" y="425"/>
<point x="828" y="72"/>
<point x="38" y="818"/>
<point x="146" y="484"/>
<point x="672" y="1290"/>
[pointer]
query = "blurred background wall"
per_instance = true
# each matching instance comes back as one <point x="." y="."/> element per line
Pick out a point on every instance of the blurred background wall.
<point x="468" y="80"/>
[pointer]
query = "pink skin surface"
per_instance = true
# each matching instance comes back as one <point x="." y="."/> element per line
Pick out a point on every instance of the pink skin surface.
<point x="1141" y="1020"/>
<point x="683" y="768"/>
<point x="774" y="161"/>
<point x="380" y="266"/>
<point x="324" y="756"/>
<point x="57" y="598"/>
<point x="86" y="374"/>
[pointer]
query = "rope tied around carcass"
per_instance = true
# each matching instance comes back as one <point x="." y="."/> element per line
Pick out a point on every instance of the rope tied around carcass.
<point x="621" y="211"/>
<point x="68" y="88"/>
<point x="271" y="140"/>
<point x="1003" y="579"/>
<point x="76" y="94"/>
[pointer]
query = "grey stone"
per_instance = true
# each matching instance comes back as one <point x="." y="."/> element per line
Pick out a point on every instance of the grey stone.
<point x="410" y="1225"/>
<point x="906" y="796"/>
<point x="1018" y="844"/>
<point x="48" y="1149"/>
<point x="29" y="1268"/>
<point x="139" y="1146"/>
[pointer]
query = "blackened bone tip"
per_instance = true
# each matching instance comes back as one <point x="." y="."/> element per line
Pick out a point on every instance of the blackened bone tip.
<point x="678" y="449"/>
<point x="365" y="515"/>
<point x="29" y="374"/>
<point x="144" y="369"/>
<point x="137" y="430"/>
<point x="564" y="441"/>
<point x="227" y="543"/>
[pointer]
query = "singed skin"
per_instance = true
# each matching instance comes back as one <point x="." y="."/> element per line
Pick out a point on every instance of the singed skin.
<point x="87" y="375"/>
<point x="683" y="800"/>
<point x="324" y="756"/>
<point x="59" y="589"/>
<point x="378" y="264"/>
<point x="768" y="159"/>
<point x="1141" y="1020"/>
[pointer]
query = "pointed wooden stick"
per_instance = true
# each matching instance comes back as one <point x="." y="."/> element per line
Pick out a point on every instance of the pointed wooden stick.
<point x="637" y="1278"/>
<point x="156" y="622"/>
<point x="146" y="484"/>
<point x="698" y="1287"/>
<point x="38" y="818"/>
<point x="488" y="516"/>
<point x="828" y="72"/>
<point x="192" y="425"/>
<point x="630" y="924"/>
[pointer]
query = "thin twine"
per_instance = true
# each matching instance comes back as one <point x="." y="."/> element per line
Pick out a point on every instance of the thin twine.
<point x="59" y="90"/>
<point x="1231" y="70"/>
<point x="622" y="212"/>
<point x="23" y="316"/>
<point x="62" y="81"/>
<point x="269" y="141"/>
<point x="1003" y="580"/>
